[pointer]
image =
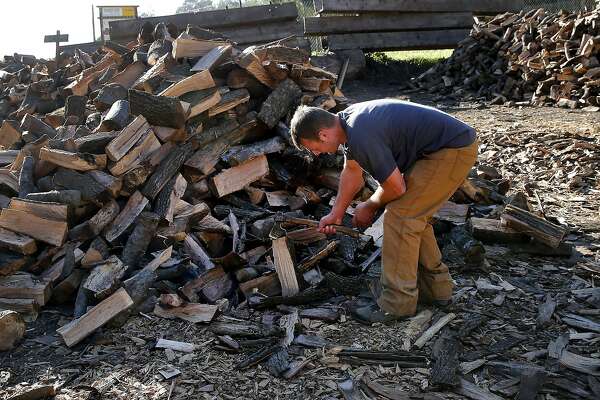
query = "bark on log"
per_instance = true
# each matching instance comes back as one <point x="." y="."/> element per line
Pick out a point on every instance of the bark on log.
<point x="69" y="197"/>
<point x="161" y="111"/>
<point x="534" y="226"/>
<point x="116" y="118"/>
<point x="75" y="110"/>
<point x="138" y="241"/>
<point x="279" y="102"/>
<point x="166" y="170"/>
<point x="26" y="182"/>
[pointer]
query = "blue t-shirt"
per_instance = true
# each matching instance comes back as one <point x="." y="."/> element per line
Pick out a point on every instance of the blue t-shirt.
<point x="385" y="134"/>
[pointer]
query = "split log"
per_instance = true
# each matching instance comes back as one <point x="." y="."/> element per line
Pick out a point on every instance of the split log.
<point x="199" y="81"/>
<point x="117" y="116"/>
<point x="168" y="197"/>
<point x="166" y="170"/>
<point x="192" y="48"/>
<point x="492" y="231"/>
<point x="236" y="178"/>
<point x="435" y="328"/>
<point x="197" y="253"/>
<point x="95" y="225"/>
<point x="215" y="57"/>
<point x="12" y="329"/>
<point x="75" y="109"/>
<point x="26" y="180"/>
<point x="473" y="250"/>
<point x="284" y="265"/>
<point x="229" y="100"/>
<point x="240" y="154"/>
<point x="138" y="241"/>
<point x="74" y="161"/>
<point x="534" y="226"/>
<point x="104" y="279"/>
<point x="10" y="133"/>
<point x="25" y="286"/>
<point x="95" y="143"/>
<point x="175" y="345"/>
<point x="158" y="110"/>
<point x="135" y="205"/>
<point x="278" y="103"/>
<point x="51" y="211"/>
<point x="78" y="329"/>
<point x="109" y="183"/>
<point x="69" y="197"/>
<point x="85" y="184"/>
<point x="191" y="312"/>
<point x="201" y="100"/>
<point x="447" y="351"/>
<point x="37" y="127"/>
<point x="108" y="95"/>
<point x="245" y="330"/>
<point x="45" y="230"/>
<point x="128" y="76"/>
<point x="11" y="262"/>
<point x="141" y="150"/>
<point x="63" y="291"/>
<point x="16" y="242"/>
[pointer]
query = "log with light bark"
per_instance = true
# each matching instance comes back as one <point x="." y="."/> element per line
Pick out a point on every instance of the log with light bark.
<point x="534" y="226"/>
<point x="96" y="224"/>
<point x="158" y="110"/>
<point x="168" y="197"/>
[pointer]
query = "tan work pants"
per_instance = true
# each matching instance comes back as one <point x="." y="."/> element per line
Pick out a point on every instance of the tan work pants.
<point x="412" y="263"/>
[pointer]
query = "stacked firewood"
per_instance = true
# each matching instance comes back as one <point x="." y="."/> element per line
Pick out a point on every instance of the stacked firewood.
<point x="116" y="163"/>
<point x="532" y="57"/>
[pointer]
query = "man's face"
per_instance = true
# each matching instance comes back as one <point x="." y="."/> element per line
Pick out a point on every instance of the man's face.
<point x="327" y="142"/>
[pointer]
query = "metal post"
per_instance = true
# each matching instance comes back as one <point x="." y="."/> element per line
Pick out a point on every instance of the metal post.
<point x="240" y="3"/>
<point x="93" y="25"/>
<point x="57" y="48"/>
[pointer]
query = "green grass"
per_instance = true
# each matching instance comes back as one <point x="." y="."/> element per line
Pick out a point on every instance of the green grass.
<point x="404" y="64"/>
<point x="419" y="56"/>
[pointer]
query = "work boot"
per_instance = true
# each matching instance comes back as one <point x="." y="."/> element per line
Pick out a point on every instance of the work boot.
<point x="371" y="313"/>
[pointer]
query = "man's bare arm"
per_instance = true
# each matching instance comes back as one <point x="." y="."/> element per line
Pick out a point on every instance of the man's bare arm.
<point x="351" y="181"/>
<point x="393" y="187"/>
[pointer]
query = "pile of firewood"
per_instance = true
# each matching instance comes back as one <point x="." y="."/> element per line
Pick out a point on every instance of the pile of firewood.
<point x="532" y="57"/>
<point x="116" y="163"/>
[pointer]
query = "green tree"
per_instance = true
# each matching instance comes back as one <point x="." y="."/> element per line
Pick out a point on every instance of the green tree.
<point x="195" y="5"/>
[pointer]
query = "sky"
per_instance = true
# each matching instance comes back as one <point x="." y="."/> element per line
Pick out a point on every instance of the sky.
<point x="23" y="23"/>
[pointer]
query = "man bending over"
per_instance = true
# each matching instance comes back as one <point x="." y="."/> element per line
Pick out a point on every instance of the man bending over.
<point x="419" y="156"/>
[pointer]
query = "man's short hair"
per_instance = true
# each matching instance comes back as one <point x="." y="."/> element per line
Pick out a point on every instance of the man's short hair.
<point x="307" y="122"/>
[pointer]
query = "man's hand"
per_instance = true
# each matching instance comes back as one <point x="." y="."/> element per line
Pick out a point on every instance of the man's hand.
<point x="326" y="222"/>
<point x="364" y="214"/>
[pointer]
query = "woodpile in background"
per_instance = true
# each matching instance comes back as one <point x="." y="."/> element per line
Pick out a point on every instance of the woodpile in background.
<point x="533" y="57"/>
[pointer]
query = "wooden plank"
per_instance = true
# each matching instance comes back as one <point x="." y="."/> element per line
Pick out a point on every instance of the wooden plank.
<point x="234" y="179"/>
<point x="475" y="6"/>
<point x="128" y="29"/>
<point x="78" y="329"/>
<point x="264" y="33"/>
<point x="284" y="265"/>
<point x="25" y="286"/>
<point x="135" y="205"/>
<point x="51" y="211"/>
<point x="16" y="242"/>
<point x="45" y="230"/>
<point x="75" y="161"/>
<point x="443" y="39"/>
<point x="198" y="81"/>
<point x="329" y="25"/>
